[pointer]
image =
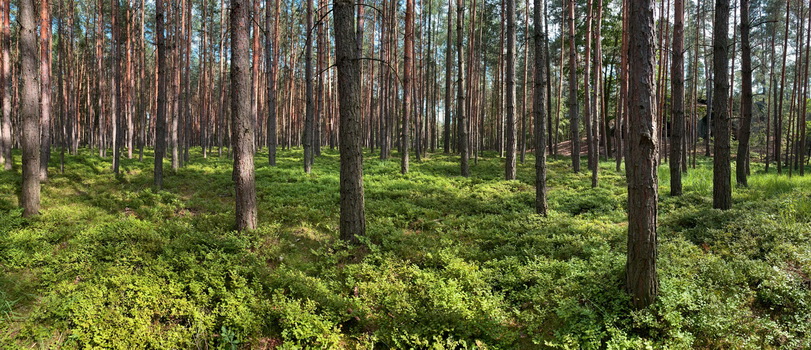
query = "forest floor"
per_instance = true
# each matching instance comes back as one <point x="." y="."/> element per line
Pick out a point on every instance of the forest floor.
<point x="448" y="262"/>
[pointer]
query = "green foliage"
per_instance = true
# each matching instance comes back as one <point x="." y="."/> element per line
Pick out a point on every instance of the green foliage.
<point x="448" y="263"/>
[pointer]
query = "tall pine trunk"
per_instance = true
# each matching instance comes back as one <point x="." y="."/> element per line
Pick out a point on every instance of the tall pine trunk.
<point x="722" y="189"/>
<point x="29" y="109"/>
<point x="641" y="157"/>
<point x="539" y="103"/>
<point x="242" y="125"/>
<point x="160" y="122"/>
<point x="45" y="83"/>
<point x="746" y="98"/>
<point x="408" y="53"/>
<point x="5" y="78"/>
<point x="677" y="100"/>
<point x="574" y="119"/>
<point x="509" y="166"/>
<point x="353" y="217"/>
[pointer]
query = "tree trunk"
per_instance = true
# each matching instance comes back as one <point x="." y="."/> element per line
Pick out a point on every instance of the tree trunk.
<point x="408" y="53"/>
<point x="115" y="97"/>
<point x="587" y="107"/>
<point x="460" y="92"/>
<point x="448" y="64"/>
<point x="596" y="104"/>
<point x="160" y="115"/>
<point x="804" y="96"/>
<point x="29" y="108"/>
<point x="353" y="217"/>
<point x="45" y="81"/>
<point x="573" y="114"/>
<point x="271" y="56"/>
<point x="524" y="83"/>
<point x="509" y="166"/>
<point x="539" y="102"/>
<point x="778" y="129"/>
<point x="640" y="167"/>
<point x="5" y="126"/>
<point x="308" y="81"/>
<point x="242" y="127"/>
<point x="677" y="100"/>
<point x="746" y="97"/>
<point x="722" y="189"/>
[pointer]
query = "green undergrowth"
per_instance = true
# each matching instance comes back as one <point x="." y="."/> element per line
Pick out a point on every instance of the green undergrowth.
<point x="448" y="262"/>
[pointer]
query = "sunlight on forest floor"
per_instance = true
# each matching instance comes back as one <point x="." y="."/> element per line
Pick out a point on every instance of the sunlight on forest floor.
<point x="449" y="262"/>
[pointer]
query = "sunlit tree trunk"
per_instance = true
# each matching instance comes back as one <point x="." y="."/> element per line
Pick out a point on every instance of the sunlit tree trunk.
<point x="5" y="78"/>
<point x="45" y="83"/>
<point x="408" y="53"/>
<point x="29" y="104"/>
<point x="243" y="127"/>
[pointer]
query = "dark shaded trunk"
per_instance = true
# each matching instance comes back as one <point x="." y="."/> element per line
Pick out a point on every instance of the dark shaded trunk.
<point x="160" y="115"/>
<point x="722" y="188"/>
<point x="677" y="100"/>
<point x="308" y="81"/>
<point x="640" y="166"/>
<point x="574" y="119"/>
<point x="746" y="98"/>
<point x="353" y="217"/>
<point x="539" y="103"/>
<point x="509" y="166"/>
<point x="271" y="57"/>
<point x="408" y="53"/>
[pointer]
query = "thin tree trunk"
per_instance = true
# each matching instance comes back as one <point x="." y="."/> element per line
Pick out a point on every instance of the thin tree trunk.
<point x="587" y="107"/>
<point x="778" y="130"/>
<point x="596" y="104"/>
<point x="509" y="65"/>
<point x="45" y="81"/>
<point x="448" y="63"/>
<point x="115" y="97"/>
<point x="5" y="126"/>
<point x="524" y="84"/>
<point x="538" y="109"/>
<point x="408" y="53"/>
<point x="677" y="100"/>
<point x="271" y="56"/>
<point x="746" y="98"/>
<point x="160" y="122"/>
<point x="308" y="81"/>
<point x="460" y="92"/>
<point x="574" y="119"/>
